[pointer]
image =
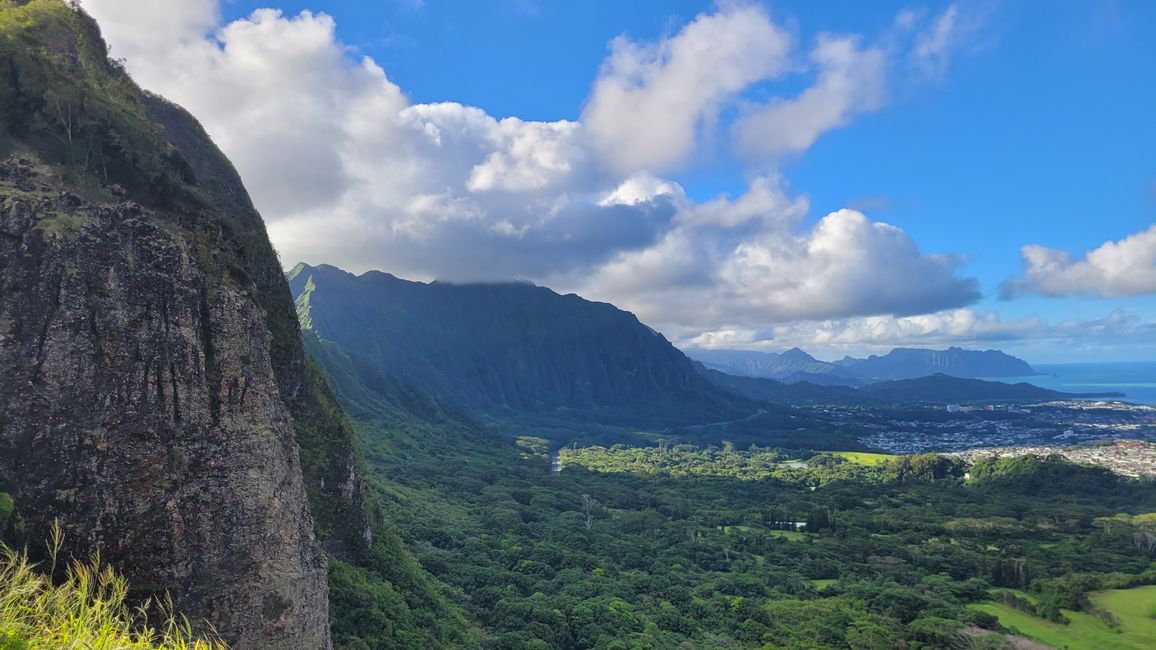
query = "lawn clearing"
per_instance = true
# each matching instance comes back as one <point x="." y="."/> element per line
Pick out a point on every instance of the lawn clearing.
<point x="864" y="458"/>
<point x="1132" y="607"/>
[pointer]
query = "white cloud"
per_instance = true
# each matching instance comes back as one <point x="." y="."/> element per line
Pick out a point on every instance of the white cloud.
<point x="1116" y="334"/>
<point x="643" y="187"/>
<point x="651" y="100"/>
<point x="751" y="261"/>
<point x="530" y="156"/>
<point x="1115" y="269"/>
<point x="933" y="46"/>
<point x="851" y="81"/>
<point x="139" y="28"/>
<point x="346" y="169"/>
<point x="949" y="32"/>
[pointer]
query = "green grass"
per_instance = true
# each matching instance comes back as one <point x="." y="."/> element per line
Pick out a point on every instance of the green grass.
<point x="782" y="534"/>
<point x="1132" y="607"/>
<point x="1135" y="608"/>
<point x="87" y="610"/>
<point x="823" y="583"/>
<point x="864" y="458"/>
<point x="739" y="529"/>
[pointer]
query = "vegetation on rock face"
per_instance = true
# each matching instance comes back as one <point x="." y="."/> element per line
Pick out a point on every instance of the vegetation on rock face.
<point x="89" y="132"/>
<point x="64" y="99"/>
<point x="88" y="608"/>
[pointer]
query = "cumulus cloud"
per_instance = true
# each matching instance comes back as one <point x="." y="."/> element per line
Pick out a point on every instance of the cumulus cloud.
<point x="651" y="100"/>
<point x="346" y="169"/>
<point x="851" y="81"/>
<point x="831" y="339"/>
<point x="140" y="28"/>
<point x="1115" y="269"/>
<point x="752" y="261"/>
<point x="851" y="78"/>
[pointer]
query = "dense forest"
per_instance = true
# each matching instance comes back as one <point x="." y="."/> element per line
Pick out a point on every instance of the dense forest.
<point x="772" y="529"/>
<point x="659" y="547"/>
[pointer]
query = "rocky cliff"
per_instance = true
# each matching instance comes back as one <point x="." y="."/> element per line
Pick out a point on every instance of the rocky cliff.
<point x="154" y="395"/>
<point x="139" y="406"/>
<point x="502" y="347"/>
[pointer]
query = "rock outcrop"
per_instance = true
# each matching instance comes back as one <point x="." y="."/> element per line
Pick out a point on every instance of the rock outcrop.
<point x="154" y="394"/>
<point x="139" y="406"/>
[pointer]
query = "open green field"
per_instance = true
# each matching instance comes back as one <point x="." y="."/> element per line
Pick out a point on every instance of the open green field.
<point x="737" y="529"/>
<point x="823" y="583"/>
<point x="1134" y="608"/>
<point x="782" y="534"/>
<point x="863" y="458"/>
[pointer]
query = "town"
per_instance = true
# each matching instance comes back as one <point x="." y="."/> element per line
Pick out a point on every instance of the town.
<point x="1058" y="424"/>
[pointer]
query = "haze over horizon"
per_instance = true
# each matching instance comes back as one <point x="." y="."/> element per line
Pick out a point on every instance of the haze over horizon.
<point x="739" y="174"/>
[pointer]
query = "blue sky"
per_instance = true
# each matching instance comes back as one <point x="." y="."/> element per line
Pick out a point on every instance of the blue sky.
<point x="1032" y="125"/>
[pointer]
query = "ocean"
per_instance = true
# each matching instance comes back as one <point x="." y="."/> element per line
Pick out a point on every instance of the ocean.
<point x="1137" y="380"/>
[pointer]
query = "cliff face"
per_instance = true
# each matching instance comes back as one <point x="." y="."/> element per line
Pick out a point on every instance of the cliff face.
<point x="139" y="406"/>
<point x="502" y="347"/>
<point x="154" y="394"/>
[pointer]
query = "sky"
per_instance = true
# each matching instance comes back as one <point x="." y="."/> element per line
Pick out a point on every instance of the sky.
<point x="841" y="176"/>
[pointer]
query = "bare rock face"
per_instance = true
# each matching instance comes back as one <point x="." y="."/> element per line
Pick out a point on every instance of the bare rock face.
<point x="138" y="404"/>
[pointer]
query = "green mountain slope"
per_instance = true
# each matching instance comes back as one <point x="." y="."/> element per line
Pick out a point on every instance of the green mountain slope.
<point x="506" y="349"/>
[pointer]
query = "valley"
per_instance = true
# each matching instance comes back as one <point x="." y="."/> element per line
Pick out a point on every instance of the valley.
<point x="842" y="520"/>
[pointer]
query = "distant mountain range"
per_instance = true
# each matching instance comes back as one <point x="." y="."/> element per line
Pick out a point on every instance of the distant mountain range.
<point x="795" y="365"/>
<point x="937" y="388"/>
<point x="516" y="348"/>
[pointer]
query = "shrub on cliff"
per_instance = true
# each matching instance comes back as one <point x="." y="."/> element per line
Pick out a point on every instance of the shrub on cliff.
<point x="87" y="609"/>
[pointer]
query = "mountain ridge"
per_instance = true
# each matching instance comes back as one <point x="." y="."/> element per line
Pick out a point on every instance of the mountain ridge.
<point x="499" y="346"/>
<point x="937" y="388"/>
<point x="899" y="363"/>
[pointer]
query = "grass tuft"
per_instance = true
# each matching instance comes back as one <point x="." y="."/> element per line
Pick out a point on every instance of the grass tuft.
<point x="88" y="609"/>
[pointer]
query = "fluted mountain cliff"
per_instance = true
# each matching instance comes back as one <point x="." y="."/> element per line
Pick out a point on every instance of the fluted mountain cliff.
<point x="154" y="394"/>
<point x="510" y="347"/>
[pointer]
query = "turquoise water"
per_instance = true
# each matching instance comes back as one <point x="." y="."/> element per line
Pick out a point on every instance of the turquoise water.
<point x="1136" y="380"/>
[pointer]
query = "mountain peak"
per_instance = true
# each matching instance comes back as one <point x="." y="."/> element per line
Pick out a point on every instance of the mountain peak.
<point x="797" y="353"/>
